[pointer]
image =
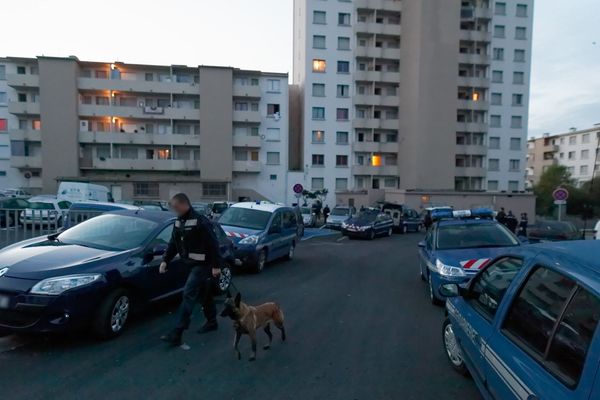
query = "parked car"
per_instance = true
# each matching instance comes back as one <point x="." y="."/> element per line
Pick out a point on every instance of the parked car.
<point x="16" y="193"/>
<point x="94" y="274"/>
<point x="82" y="211"/>
<point x="261" y="232"/>
<point x="458" y="245"/>
<point x="218" y="208"/>
<point x="526" y="326"/>
<point x="10" y="209"/>
<point x="368" y="224"/>
<point x="83" y="191"/>
<point x="154" y="205"/>
<point x="308" y="217"/>
<point x="552" y="231"/>
<point x="202" y="208"/>
<point x="44" y="211"/>
<point x="338" y="215"/>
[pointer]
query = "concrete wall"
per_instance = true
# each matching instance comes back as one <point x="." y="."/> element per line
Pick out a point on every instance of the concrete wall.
<point x="295" y="148"/>
<point x="60" y="120"/>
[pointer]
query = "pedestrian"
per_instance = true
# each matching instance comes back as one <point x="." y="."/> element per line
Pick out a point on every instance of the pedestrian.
<point x="318" y="208"/>
<point x="326" y="212"/>
<point x="511" y="222"/>
<point x="523" y="223"/>
<point x="195" y="241"/>
<point x="427" y="220"/>
<point x="501" y="216"/>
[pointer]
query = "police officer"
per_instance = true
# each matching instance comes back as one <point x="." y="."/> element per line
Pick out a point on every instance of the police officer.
<point x="196" y="243"/>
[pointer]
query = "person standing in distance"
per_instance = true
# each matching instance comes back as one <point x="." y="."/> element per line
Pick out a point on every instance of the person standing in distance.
<point x="195" y="241"/>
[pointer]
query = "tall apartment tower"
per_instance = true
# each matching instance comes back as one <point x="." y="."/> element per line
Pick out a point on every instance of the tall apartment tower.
<point x="413" y="94"/>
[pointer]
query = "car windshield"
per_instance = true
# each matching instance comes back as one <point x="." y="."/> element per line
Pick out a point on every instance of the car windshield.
<point x="219" y="208"/>
<point x="556" y="226"/>
<point x="245" y="218"/>
<point x="340" y="211"/>
<point x="38" y="205"/>
<point x="367" y="216"/>
<point x="305" y="210"/>
<point x="467" y="236"/>
<point x="110" y="231"/>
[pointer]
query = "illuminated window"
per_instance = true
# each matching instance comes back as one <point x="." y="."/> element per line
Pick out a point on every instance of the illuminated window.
<point x="163" y="154"/>
<point x="318" y="136"/>
<point x="254" y="155"/>
<point x="36" y="125"/>
<point x="376" y="160"/>
<point x="319" y="65"/>
<point x="476" y="96"/>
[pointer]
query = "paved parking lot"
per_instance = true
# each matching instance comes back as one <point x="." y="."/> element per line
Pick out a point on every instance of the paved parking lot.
<point x="359" y="327"/>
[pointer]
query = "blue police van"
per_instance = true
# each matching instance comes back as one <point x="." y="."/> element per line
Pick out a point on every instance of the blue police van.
<point x="526" y="326"/>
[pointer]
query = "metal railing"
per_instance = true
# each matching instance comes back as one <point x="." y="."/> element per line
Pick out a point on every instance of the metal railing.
<point x="18" y="225"/>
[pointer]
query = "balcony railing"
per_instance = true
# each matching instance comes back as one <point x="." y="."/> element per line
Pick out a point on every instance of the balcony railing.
<point x="22" y="108"/>
<point x="246" y="166"/>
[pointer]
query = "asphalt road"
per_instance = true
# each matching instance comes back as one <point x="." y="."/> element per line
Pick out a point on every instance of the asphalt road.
<point x="359" y="327"/>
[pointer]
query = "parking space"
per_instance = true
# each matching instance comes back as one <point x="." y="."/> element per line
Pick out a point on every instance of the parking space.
<point x="359" y="323"/>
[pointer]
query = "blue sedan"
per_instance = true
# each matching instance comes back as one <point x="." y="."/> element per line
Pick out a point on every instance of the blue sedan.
<point x="455" y="249"/>
<point x="91" y="275"/>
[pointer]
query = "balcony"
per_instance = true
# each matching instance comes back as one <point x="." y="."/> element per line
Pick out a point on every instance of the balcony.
<point x="374" y="123"/>
<point x="388" y="5"/>
<point x="474" y="58"/>
<point x="23" y="162"/>
<point x="480" y="105"/>
<point x="92" y="110"/>
<point x="246" y="166"/>
<point x="247" y="116"/>
<point x="375" y="147"/>
<point x="471" y="149"/>
<point x="22" y="81"/>
<point x="473" y="81"/>
<point x="385" y="170"/>
<point x="473" y="172"/>
<point x="25" y="108"/>
<point x="471" y="127"/>
<point x="477" y="36"/>
<point x="377" y="100"/>
<point x="377" y="76"/>
<point x="26" y="135"/>
<point x="378" y="29"/>
<point x="550" y="148"/>
<point x="247" y="91"/>
<point x="140" y="165"/>
<point x="378" y="52"/>
<point x="138" y="86"/>
<point x="246" y="141"/>
<point x="139" y="138"/>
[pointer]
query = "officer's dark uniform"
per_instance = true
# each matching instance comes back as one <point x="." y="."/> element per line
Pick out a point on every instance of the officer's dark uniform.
<point x="196" y="243"/>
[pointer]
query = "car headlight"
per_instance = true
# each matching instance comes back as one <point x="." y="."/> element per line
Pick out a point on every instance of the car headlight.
<point x="252" y="239"/>
<point x="58" y="285"/>
<point x="448" y="270"/>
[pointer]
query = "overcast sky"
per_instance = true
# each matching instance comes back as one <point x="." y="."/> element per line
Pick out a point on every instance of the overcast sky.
<point x="258" y="35"/>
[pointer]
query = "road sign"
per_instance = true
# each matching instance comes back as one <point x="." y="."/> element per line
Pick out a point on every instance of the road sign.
<point x="560" y="202"/>
<point x="298" y="188"/>
<point x="560" y="194"/>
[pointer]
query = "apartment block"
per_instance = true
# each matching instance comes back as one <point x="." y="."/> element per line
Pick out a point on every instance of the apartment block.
<point x="413" y="94"/>
<point x="578" y="150"/>
<point x="146" y="131"/>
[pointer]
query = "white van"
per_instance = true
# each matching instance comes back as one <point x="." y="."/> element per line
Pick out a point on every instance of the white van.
<point x="82" y="191"/>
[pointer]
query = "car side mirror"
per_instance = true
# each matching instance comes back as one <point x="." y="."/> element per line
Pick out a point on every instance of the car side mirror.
<point x="422" y="244"/>
<point x="159" y="249"/>
<point x="449" y="290"/>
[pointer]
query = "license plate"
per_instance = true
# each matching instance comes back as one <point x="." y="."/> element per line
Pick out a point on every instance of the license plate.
<point x="4" y="301"/>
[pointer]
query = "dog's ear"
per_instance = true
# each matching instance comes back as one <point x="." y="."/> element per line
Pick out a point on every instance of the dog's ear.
<point x="238" y="298"/>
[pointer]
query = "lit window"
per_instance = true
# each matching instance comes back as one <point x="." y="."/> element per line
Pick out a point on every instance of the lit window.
<point x="376" y="160"/>
<point x="319" y="65"/>
<point x="476" y="96"/>
<point x="318" y="136"/>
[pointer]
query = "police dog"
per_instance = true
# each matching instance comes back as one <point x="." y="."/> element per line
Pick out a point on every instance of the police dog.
<point x="248" y="319"/>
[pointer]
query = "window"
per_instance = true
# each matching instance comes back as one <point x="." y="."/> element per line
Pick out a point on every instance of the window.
<point x="272" y="110"/>
<point x="517" y="99"/>
<point x="493" y="164"/>
<point x="3" y="125"/>
<point x="495" y="121"/>
<point x="496" y="99"/>
<point x="2" y="72"/>
<point x="3" y="98"/>
<point x="273" y="135"/>
<point x="240" y="106"/>
<point x="101" y="74"/>
<point x="571" y="170"/>
<point x="21" y="70"/>
<point x="515" y="143"/>
<point x="519" y="55"/>
<point x="497" y="76"/>
<point x="343" y="91"/>
<point x="500" y="8"/>
<point x="573" y="140"/>
<point x="317" y="183"/>
<point x="318" y="160"/>
<point x="319" y="17"/>
<point x="571" y="155"/>
<point x="516" y="121"/>
<point x="585" y="138"/>
<point x="272" y="158"/>
<point x="585" y="154"/>
<point x="343" y="43"/>
<point x="20" y="148"/>
<point x="342" y="114"/>
<point x="318" y="113"/>
<point x="488" y="288"/>
<point x="521" y="10"/>
<point x="145" y="189"/>
<point x="492" y="186"/>
<point x="36" y="124"/>
<point x="341" y="184"/>
<point x="518" y="78"/>
<point x="341" y="160"/>
<point x="274" y="85"/>
<point x="343" y="19"/>
<point x="514" y="165"/>
<point x="318" y="90"/>
<point x="102" y="100"/>
<point x="343" y="67"/>
<point x="240" y="155"/>
<point x="513" y="186"/>
<point x="341" y="137"/>
<point x="520" y="33"/>
<point x="498" y="53"/>
<point x="318" y="42"/>
<point x="318" y="137"/>
<point x="583" y="170"/>
<point x="254" y="156"/>
<point x="216" y="189"/>
<point x="273" y="177"/>
<point x="254" y="106"/>
<point x="499" y="31"/>
<point x="319" y="65"/>
<point x="22" y="97"/>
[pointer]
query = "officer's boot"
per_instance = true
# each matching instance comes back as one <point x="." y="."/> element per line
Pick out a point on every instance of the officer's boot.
<point x="174" y="337"/>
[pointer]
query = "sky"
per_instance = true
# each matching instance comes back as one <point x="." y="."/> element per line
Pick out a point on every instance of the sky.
<point x="257" y="34"/>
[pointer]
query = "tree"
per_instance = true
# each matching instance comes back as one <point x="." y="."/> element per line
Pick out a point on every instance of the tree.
<point x="555" y="176"/>
<point x="319" y="195"/>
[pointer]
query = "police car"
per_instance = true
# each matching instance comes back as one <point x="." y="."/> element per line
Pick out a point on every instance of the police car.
<point x="459" y="244"/>
<point x="261" y="232"/>
<point x="526" y="327"/>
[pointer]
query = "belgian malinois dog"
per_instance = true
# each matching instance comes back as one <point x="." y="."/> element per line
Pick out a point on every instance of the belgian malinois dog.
<point x="248" y="319"/>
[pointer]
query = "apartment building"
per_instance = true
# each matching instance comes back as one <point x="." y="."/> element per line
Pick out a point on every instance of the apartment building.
<point x="146" y="131"/>
<point x="576" y="149"/>
<point x="413" y="94"/>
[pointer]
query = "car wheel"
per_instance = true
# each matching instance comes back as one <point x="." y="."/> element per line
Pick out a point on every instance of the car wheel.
<point x="390" y="232"/>
<point x="290" y="254"/>
<point x="112" y="315"/>
<point x="452" y="349"/>
<point x="372" y="234"/>
<point x="434" y="300"/>
<point x="404" y="229"/>
<point x="224" y="279"/>
<point x="261" y="261"/>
